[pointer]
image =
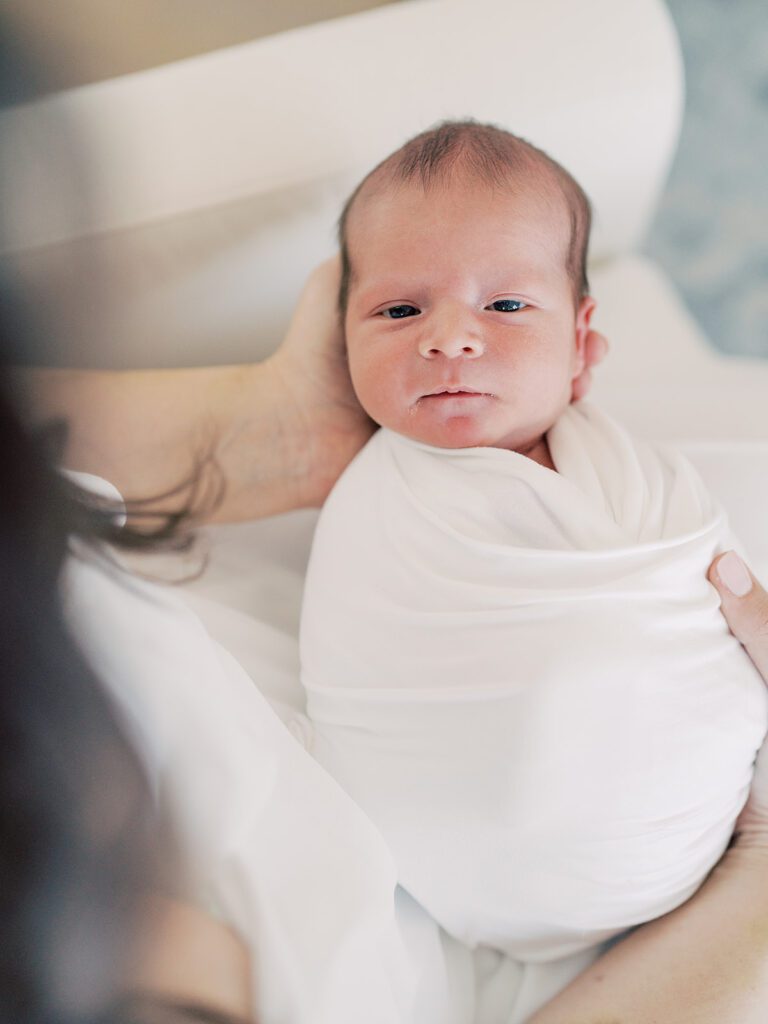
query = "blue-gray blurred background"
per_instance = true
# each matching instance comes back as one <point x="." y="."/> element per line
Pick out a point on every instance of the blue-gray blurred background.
<point x="711" y="231"/>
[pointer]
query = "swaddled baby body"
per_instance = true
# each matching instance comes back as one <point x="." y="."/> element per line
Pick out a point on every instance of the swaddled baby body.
<point x="513" y="660"/>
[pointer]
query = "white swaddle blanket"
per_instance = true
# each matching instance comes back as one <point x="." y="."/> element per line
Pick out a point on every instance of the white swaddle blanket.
<point x="524" y="679"/>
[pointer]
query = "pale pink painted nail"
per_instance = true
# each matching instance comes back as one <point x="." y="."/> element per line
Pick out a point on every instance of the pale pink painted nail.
<point x="734" y="574"/>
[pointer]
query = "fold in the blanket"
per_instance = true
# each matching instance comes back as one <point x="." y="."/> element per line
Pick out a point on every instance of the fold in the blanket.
<point x="524" y="679"/>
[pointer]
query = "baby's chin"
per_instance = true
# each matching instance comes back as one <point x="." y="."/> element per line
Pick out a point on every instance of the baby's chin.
<point x="459" y="436"/>
<point x="455" y="432"/>
<point x="456" y="436"/>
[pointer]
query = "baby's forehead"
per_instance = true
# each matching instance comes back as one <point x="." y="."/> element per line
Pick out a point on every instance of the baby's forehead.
<point x="537" y="186"/>
<point x="525" y="210"/>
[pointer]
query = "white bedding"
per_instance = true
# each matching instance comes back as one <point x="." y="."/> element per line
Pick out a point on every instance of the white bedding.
<point x="271" y="844"/>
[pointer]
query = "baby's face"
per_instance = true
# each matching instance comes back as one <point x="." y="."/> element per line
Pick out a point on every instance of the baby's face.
<point x="461" y="326"/>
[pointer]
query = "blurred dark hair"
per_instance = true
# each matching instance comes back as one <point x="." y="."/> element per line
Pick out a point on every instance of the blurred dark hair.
<point x="81" y="842"/>
<point x="68" y="890"/>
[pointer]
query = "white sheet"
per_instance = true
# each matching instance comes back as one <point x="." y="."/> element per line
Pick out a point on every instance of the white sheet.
<point x="271" y="843"/>
<point x="523" y="678"/>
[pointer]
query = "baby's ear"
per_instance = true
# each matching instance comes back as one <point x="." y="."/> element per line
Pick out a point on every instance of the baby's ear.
<point x="584" y="313"/>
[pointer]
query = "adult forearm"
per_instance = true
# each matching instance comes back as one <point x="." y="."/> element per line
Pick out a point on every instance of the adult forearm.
<point x="704" y="963"/>
<point x="148" y="431"/>
<point x="279" y="432"/>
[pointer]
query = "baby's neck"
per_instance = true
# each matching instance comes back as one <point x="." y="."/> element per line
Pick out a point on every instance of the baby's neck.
<point x="538" y="450"/>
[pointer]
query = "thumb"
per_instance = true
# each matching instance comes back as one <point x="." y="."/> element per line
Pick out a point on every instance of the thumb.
<point x="744" y="604"/>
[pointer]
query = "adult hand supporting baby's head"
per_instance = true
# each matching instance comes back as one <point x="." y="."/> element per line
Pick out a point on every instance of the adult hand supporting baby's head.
<point x="595" y="350"/>
<point x="744" y="604"/>
<point x="313" y="378"/>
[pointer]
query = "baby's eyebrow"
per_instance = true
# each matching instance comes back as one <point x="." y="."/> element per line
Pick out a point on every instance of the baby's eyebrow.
<point x="530" y="277"/>
<point x="388" y="290"/>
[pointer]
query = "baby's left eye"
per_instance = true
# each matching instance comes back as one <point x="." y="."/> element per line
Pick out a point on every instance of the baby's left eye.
<point x="507" y="305"/>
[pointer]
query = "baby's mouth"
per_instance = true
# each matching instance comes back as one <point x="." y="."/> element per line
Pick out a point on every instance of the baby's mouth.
<point x="459" y="391"/>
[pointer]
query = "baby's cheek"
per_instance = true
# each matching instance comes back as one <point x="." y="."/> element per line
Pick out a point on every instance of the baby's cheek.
<point x="370" y="386"/>
<point x="380" y="405"/>
<point x="357" y="370"/>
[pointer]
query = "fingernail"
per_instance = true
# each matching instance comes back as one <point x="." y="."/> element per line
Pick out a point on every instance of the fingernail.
<point x="734" y="574"/>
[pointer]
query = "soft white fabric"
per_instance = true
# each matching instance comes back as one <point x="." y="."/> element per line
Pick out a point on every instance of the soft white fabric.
<point x="524" y="679"/>
<point x="270" y="841"/>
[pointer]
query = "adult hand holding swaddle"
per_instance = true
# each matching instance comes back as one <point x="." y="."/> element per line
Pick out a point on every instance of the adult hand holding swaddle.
<point x="745" y="607"/>
<point x="524" y="679"/>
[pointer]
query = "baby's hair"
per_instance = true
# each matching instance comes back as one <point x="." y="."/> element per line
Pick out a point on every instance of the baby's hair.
<point x="495" y="157"/>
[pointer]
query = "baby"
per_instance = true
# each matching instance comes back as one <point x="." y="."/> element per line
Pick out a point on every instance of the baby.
<point x="512" y="658"/>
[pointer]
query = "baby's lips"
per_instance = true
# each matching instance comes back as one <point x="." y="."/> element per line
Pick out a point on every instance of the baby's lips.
<point x="454" y="389"/>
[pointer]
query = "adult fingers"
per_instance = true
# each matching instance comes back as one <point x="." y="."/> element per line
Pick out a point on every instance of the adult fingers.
<point x="581" y="385"/>
<point x="315" y="324"/>
<point x="596" y="348"/>
<point x="744" y="604"/>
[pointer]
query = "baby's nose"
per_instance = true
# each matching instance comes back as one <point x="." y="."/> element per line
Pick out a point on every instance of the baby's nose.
<point x="451" y="339"/>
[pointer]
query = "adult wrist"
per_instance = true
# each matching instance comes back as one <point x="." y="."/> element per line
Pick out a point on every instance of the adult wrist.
<point x="750" y="845"/>
<point x="321" y="425"/>
<point x="743" y="868"/>
<point x="296" y="440"/>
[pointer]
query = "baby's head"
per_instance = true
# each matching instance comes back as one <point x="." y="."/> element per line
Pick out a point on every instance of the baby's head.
<point x="464" y="289"/>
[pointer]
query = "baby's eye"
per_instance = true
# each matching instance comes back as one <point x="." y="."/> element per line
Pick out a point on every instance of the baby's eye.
<point x="398" y="312"/>
<point x="507" y="305"/>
